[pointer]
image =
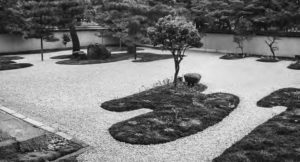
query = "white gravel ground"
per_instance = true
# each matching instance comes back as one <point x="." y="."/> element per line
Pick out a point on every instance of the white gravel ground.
<point x="68" y="97"/>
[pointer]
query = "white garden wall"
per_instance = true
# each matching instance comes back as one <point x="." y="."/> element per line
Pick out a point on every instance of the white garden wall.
<point x="288" y="46"/>
<point x="13" y="43"/>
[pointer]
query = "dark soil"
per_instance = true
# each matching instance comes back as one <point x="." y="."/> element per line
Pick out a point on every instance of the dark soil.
<point x="177" y="112"/>
<point x="277" y="140"/>
<point x="232" y="56"/>
<point x="295" y="66"/>
<point x="6" y="63"/>
<point x="14" y="66"/>
<point x="268" y="59"/>
<point x="44" y="148"/>
<point x="142" y="57"/>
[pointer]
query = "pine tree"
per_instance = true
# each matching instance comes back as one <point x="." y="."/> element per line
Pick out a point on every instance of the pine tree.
<point x="11" y="17"/>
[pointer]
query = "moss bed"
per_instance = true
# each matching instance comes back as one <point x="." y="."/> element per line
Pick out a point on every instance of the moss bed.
<point x="177" y="112"/>
<point x="141" y="57"/>
<point x="232" y="56"/>
<point x="277" y="140"/>
<point x="7" y="63"/>
<point x="295" y="66"/>
<point x="268" y="59"/>
<point x="47" y="147"/>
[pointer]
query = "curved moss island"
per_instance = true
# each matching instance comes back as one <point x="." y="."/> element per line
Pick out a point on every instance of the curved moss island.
<point x="177" y="112"/>
<point x="8" y="63"/>
<point x="278" y="139"/>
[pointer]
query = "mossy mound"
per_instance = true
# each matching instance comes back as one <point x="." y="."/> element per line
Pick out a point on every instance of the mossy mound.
<point x="142" y="57"/>
<point x="268" y="59"/>
<point x="177" y="112"/>
<point x="295" y="66"/>
<point x="232" y="56"/>
<point x="276" y="140"/>
<point x="6" y="63"/>
<point x="288" y="97"/>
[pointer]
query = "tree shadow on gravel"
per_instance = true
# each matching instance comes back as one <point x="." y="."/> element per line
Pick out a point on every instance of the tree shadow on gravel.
<point x="177" y="112"/>
<point x="141" y="57"/>
<point x="278" y="139"/>
<point x="7" y="63"/>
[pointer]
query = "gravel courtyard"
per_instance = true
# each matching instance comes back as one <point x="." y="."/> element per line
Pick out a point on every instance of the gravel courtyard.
<point x="68" y="97"/>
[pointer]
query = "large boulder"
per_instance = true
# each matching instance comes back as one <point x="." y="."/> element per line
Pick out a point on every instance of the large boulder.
<point x="192" y="78"/>
<point x="97" y="52"/>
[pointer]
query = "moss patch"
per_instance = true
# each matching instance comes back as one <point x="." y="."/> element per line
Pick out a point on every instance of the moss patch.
<point x="232" y="56"/>
<point x="177" y="112"/>
<point x="47" y="147"/>
<point x="142" y="57"/>
<point x="6" y="63"/>
<point x="295" y="66"/>
<point x="267" y="59"/>
<point x="276" y="140"/>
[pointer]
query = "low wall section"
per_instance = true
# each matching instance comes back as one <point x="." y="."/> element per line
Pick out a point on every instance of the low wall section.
<point x="288" y="46"/>
<point x="15" y="44"/>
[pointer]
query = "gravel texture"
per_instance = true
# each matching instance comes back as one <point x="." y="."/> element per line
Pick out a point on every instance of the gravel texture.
<point x="69" y="98"/>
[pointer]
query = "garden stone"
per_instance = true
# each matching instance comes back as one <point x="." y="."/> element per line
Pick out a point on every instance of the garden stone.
<point x="192" y="78"/>
<point x="132" y="122"/>
<point x="97" y="51"/>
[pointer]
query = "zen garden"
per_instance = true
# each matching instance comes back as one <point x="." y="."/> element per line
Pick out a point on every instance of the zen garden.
<point x="150" y="80"/>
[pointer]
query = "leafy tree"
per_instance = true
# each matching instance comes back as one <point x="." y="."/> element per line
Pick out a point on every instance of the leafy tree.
<point x="41" y="20"/>
<point x="175" y="34"/>
<point x="11" y="17"/>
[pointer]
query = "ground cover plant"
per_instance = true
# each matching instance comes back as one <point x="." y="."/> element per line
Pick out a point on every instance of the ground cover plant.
<point x="177" y="113"/>
<point x="276" y="140"/>
<point x="7" y="63"/>
<point x="232" y="56"/>
<point x="142" y="57"/>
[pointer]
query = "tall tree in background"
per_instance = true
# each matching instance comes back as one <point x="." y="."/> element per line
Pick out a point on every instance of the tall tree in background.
<point x="40" y="20"/>
<point x="11" y="17"/>
<point x="129" y="19"/>
<point x="71" y="13"/>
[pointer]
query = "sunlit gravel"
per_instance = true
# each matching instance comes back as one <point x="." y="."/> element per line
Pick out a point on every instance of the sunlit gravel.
<point x="68" y="97"/>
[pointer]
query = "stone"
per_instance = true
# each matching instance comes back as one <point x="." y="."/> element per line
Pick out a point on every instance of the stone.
<point x="97" y="52"/>
<point x="133" y="122"/>
<point x="192" y="78"/>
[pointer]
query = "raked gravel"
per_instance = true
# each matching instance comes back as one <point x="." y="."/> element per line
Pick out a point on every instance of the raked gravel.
<point x="68" y="97"/>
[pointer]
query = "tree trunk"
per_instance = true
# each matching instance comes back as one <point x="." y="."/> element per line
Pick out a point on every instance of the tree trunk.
<point x="273" y="52"/>
<point x="75" y="39"/>
<point x="177" y="67"/>
<point x="42" y="49"/>
<point x="131" y="49"/>
<point x="120" y="43"/>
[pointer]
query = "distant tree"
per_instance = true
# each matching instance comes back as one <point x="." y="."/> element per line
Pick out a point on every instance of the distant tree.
<point x="242" y="32"/>
<point x="41" y="20"/>
<point x="175" y="34"/>
<point x="129" y="19"/>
